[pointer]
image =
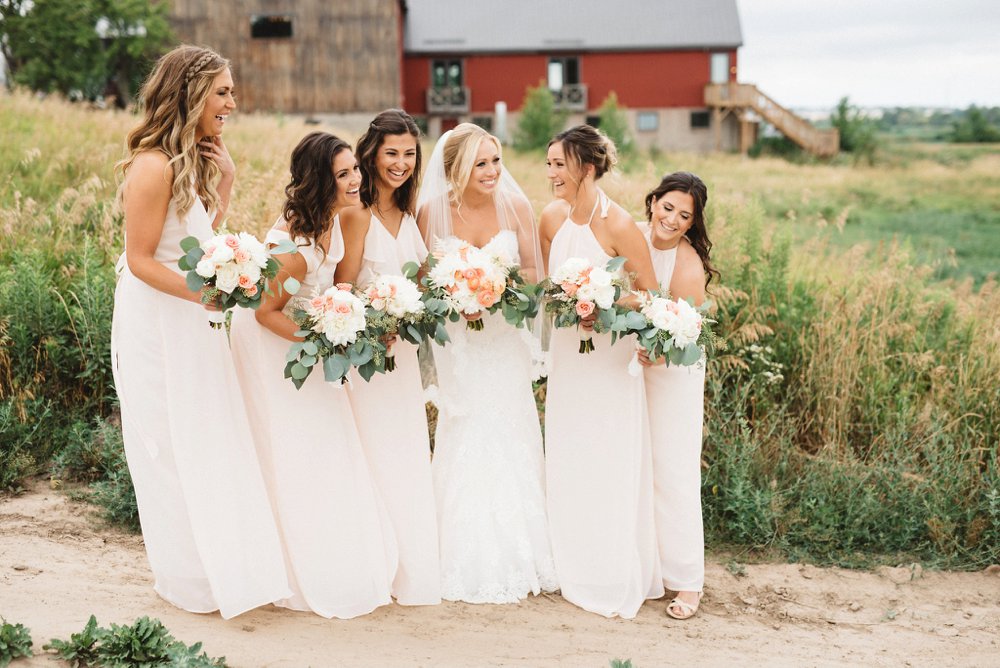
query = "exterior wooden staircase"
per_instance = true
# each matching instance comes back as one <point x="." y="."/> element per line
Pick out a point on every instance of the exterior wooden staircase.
<point x="740" y="99"/>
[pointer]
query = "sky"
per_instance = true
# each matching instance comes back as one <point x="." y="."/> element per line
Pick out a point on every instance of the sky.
<point x="878" y="53"/>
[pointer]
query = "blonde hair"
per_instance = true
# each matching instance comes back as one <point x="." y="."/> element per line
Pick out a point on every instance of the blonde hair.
<point x="459" y="156"/>
<point x="173" y="99"/>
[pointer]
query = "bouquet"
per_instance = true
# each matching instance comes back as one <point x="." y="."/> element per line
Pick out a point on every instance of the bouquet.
<point x="232" y="270"/>
<point x="337" y="335"/>
<point x="578" y="289"/>
<point x="675" y="329"/>
<point x="395" y="305"/>
<point x="470" y="280"/>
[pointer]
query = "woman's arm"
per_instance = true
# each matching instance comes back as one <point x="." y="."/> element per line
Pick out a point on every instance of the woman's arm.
<point x="269" y="313"/>
<point x="688" y="280"/>
<point x="354" y="226"/>
<point x="628" y="242"/>
<point x="553" y="214"/>
<point x="214" y="149"/>
<point x="147" y="192"/>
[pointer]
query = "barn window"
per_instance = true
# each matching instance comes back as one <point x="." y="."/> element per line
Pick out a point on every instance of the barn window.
<point x="647" y="121"/>
<point x="563" y="71"/>
<point x="446" y="73"/>
<point x="270" y="26"/>
<point x="701" y="119"/>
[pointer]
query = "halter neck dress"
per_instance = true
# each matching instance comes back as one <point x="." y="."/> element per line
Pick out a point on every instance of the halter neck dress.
<point x="598" y="461"/>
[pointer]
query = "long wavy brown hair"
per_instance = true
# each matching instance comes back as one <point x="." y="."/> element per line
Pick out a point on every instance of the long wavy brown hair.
<point x="388" y="122"/>
<point x="312" y="189"/>
<point x="697" y="234"/>
<point x="172" y="100"/>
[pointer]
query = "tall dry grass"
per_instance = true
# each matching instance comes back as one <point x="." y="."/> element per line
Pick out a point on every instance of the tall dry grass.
<point x="853" y="418"/>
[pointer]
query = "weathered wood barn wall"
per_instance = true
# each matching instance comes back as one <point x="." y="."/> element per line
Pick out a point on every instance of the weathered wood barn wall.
<point x="302" y="56"/>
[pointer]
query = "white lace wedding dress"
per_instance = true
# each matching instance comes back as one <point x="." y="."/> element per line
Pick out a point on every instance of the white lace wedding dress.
<point x="487" y="467"/>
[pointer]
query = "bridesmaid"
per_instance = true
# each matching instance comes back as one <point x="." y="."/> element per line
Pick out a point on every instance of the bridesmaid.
<point x="598" y="461"/>
<point x="680" y="247"/>
<point x="339" y="548"/>
<point x="209" y="534"/>
<point x="380" y="237"/>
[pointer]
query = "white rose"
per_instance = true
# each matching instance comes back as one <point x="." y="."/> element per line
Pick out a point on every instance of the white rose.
<point x="222" y="254"/>
<point x="227" y="277"/>
<point x="205" y="268"/>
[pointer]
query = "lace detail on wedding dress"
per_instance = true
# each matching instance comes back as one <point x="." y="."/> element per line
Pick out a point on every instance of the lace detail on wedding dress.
<point x="488" y="470"/>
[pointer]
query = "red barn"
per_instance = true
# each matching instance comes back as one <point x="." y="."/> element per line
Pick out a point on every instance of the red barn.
<point x="462" y="58"/>
<point x="672" y="63"/>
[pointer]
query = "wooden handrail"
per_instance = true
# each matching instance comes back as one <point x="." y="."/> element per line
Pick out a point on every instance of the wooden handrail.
<point x="824" y="143"/>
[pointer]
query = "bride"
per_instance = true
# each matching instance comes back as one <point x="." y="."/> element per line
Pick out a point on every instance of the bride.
<point x="487" y="468"/>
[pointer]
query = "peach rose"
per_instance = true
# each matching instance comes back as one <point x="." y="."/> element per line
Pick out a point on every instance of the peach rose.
<point x="232" y="241"/>
<point x="485" y="298"/>
<point x="342" y="308"/>
<point x="245" y="281"/>
<point x="583" y="309"/>
<point x="251" y="291"/>
<point x="241" y="255"/>
<point x="570" y="288"/>
<point x="473" y="283"/>
<point x="344" y="286"/>
<point x="470" y="274"/>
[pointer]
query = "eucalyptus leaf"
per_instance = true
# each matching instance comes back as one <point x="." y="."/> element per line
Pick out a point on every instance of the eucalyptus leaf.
<point x="189" y="243"/>
<point x="309" y="347"/>
<point x="291" y="285"/>
<point x="194" y="281"/>
<point x="307" y="360"/>
<point x="692" y="353"/>
<point x="410" y="269"/>
<point x="366" y="371"/>
<point x="616" y="263"/>
<point x="283" y="247"/>
<point x="335" y="367"/>
<point x="299" y="372"/>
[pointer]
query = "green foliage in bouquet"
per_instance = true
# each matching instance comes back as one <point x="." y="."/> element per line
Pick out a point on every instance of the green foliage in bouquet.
<point x="367" y="354"/>
<point x="430" y="325"/>
<point x="145" y="643"/>
<point x="15" y="642"/>
<point x="519" y="301"/>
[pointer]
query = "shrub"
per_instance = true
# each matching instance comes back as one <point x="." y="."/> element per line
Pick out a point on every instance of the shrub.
<point x="614" y="123"/>
<point x="539" y="120"/>
<point x="15" y="642"/>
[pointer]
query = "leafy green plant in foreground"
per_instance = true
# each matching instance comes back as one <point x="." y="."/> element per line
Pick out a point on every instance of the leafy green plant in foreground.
<point x="15" y="642"/>
<point x="144" y="643"/>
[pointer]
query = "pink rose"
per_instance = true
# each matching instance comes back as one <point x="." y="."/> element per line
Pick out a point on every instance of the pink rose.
<point x="241" y="255"/>
<point x="245" y="281"/>
<point x="232" y="241"/>
<point x="342" y="308"/>
<point x="344" y="286"/>
<point x="378" y="304"/>
<point x="583" y="309"/>
<point x="570" y="288"/>
<point x="251" y="291"/>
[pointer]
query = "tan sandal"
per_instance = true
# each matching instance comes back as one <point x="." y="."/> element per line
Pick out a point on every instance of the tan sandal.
<point x="687" y="610"/>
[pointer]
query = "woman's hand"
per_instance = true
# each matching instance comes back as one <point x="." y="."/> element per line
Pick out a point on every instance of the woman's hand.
<point x="644" y="358"/>
<point x="472" y="316"/>
<point x="214" y="149"/>
<point x="388" y="340"/>
<point x="587" y="322"/>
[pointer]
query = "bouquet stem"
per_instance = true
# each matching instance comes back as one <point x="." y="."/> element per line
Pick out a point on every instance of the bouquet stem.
<point x="390" y="359"/>
<point x="475" y="325"/>
<point x="586" y="343"/>
<point x="216" y="319"/>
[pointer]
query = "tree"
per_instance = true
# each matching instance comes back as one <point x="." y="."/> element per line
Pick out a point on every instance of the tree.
<point x="857" y="133"/>
<point x="83" y="47"/>
<point x="974" y="126"/>
<point x="539" y="120"/>
<point x="614" y="123"/>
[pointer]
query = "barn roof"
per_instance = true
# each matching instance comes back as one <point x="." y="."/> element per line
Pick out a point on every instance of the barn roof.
<point x="481" y="26"/>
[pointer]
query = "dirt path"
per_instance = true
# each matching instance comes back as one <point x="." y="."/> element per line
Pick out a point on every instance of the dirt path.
<point x="58" y="566"/>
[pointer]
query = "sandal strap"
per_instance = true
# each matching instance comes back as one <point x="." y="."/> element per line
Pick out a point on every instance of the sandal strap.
<point x="687" y="609"/>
